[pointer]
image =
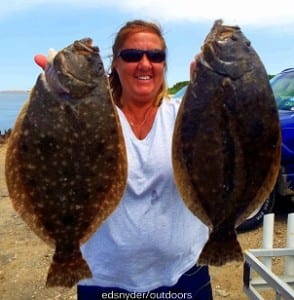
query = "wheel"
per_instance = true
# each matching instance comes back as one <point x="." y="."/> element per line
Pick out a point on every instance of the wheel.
<point x="256" y="218"/>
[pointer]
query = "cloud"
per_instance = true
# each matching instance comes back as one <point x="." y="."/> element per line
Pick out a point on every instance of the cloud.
<point x="249" y="12"/>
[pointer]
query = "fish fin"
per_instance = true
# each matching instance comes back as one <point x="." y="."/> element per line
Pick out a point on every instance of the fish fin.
<point x="68" y="273"/>
<point x="220" y="249"/>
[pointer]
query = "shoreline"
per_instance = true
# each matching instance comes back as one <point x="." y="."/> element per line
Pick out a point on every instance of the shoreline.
<point x="14" y="91"/>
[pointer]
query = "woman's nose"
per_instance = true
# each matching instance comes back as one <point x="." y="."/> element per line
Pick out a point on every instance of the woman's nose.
<point x="145" y="60"/>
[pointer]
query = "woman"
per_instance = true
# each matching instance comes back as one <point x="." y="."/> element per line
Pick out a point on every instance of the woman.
<point x="151" y="242"/>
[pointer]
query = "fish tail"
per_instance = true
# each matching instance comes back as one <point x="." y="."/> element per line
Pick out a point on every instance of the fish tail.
<point x="68" y="273"/>
<point x="220" y="249"/>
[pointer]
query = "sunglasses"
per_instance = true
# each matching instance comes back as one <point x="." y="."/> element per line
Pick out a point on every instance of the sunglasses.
<point x="135" y="55"/>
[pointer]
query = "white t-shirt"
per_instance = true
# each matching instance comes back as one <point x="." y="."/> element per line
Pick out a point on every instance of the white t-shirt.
<point x="151" y="238"/>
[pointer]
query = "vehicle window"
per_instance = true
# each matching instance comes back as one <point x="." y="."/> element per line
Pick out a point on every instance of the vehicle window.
<point x="283" y="88"/>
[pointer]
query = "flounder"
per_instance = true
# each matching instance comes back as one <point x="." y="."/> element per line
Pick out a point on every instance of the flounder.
<point x="227" y="140"/>
<point x="66" y="163"/>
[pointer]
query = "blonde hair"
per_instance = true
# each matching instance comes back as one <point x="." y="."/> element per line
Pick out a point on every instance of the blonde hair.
<point x="128" y="29"/>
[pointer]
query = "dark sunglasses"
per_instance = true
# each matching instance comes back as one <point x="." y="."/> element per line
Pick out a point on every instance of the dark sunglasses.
<point x="135" y="55"/>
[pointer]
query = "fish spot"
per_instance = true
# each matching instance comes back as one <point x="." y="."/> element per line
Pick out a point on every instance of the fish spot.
<point x="26" y="132"/>
<point x="64" y="163"/>
<point x="40" y="205"/>
<point x="31" y="166"/>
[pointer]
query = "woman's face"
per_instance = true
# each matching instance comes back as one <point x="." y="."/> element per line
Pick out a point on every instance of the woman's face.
<point x="141" y="80"/>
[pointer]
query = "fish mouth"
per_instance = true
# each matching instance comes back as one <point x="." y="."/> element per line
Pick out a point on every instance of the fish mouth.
<point x="221" y="32"/>
<point x="53" y="82"/>
<point x="219" y="65"/>
<point x="65" y="72"/>
<point x="85" y="46"/>
<point x="204" y="62"/>
<point x="220" y="51"/>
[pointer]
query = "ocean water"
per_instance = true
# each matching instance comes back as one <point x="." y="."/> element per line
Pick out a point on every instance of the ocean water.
<point x="10" y="105"/>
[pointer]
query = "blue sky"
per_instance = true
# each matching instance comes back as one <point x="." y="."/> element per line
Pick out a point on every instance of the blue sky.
<point x="33" y="26"/>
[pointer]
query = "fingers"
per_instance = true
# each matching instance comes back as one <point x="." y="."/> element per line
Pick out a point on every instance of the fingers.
<point x="41" y="60"/>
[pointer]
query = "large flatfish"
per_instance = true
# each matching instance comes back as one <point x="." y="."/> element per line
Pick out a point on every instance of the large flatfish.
<point x="227" y="141"/>
<point x="66" y="161"/>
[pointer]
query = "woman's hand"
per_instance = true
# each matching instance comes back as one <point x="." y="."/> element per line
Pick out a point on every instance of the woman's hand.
<point x="46" y="63"/>
<point x="41" y="60"/>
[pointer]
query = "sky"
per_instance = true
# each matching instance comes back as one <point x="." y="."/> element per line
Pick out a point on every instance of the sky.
<point x="28" y="27"/>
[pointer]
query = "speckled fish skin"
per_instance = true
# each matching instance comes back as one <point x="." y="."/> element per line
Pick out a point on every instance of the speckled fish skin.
<point x="66" y="162"/>
<point x="227" y="140"/>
